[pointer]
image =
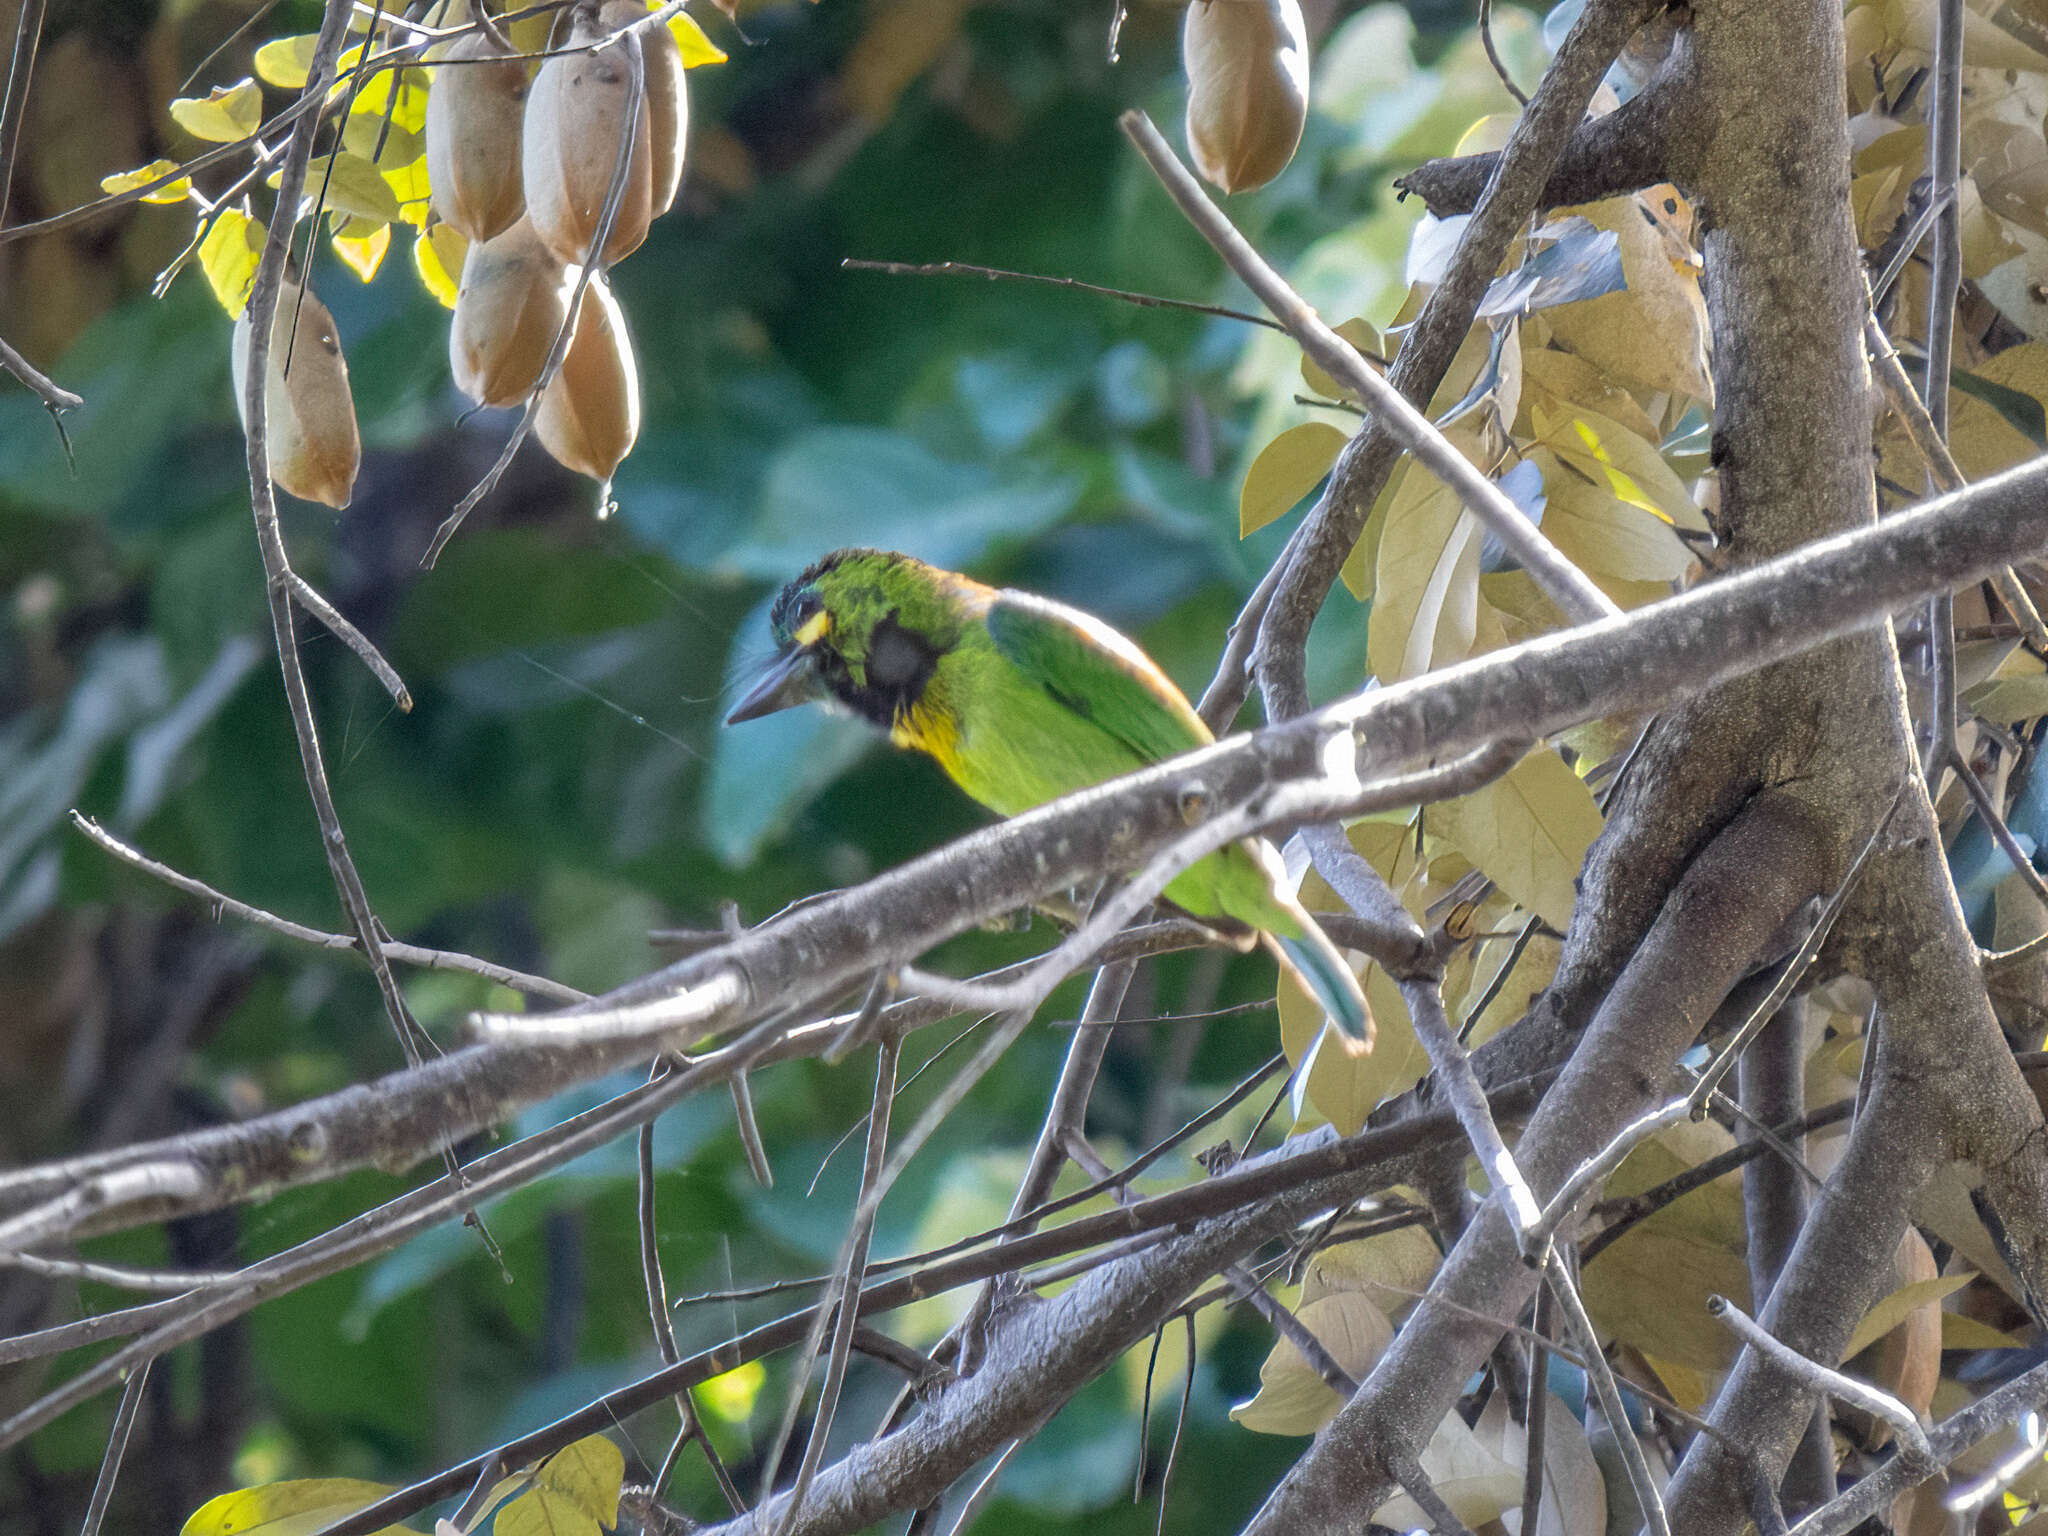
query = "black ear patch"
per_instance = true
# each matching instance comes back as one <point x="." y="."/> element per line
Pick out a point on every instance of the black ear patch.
<point x="900" y="661"/>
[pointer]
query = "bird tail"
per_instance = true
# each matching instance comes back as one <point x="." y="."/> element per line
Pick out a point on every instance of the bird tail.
<point x="1325" y="975"/>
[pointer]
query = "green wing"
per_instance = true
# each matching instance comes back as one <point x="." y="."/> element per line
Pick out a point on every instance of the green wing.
<point x="1097" y="673"/>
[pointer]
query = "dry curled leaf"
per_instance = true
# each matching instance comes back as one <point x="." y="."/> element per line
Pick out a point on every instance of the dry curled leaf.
<point x="1247" y="66"/>
<point x="475" y="110"/>
<point x="309" y="415"/>
<point x="590" y="411"/>
<point x="576" y="125"/>
<point x="512" y="302"/>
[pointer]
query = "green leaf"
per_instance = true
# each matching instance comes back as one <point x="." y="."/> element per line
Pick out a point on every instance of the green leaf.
<point x="1286" y="470"/>
<point x="286" y="62"/>
<point x="1528" y="831"/>
<point x="170" y="192"/>
<point x="351" y="185"/>
<point x="225" y="114"/>
<point x="296" y="1508"/>
<point x="228" y="256"/>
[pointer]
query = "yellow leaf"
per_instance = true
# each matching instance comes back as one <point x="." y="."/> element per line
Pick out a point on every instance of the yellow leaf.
<point x="397" y="94"/>
<point x="296" y="1508"/>
<point x="363" y="254"/>
<point x="1887" y="1314"/>
<point x="170" y="192"/>
<point x="1603" y="535"/>
<point x="1361" y="566"/>
<point x="586" y="1473"/>
<point x="696" y="47"/>
<point x="1345" y="1083"/>
<point x="223" y="115"/>
<point x="543" y="1512"/>
<point x="1528" y="830"/>
<point x="385" y="144"/>
<point x="286" y="62"/>
<point x="1392" y="1268"/>
<point x="229" y="254"/>
<point x="1606" y="452"/>
<point x="1563" y="385"/>
<point x="1286" y="470"/>
<point x="1293" y="1399"/>
<point x="437" y="255"/>
<point x="408" y="184"/>
<point x="1426" y="582"/>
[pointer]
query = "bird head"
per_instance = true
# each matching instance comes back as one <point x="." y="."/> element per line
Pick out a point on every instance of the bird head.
<point x="863" y="628"/>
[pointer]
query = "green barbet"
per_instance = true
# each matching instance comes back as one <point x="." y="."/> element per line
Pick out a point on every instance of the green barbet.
<point x="1021" y="700"/>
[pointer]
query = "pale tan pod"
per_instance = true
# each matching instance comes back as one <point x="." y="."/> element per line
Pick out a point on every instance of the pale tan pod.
<point x="590" y="412"/>
<point x="512" y="300"/>
<point x="569" y="148"/>
<point x="308" y="413"/>
<point x="475" y="109"/>
<point x="1247" y="64"/>
<point x="668" y="98"/>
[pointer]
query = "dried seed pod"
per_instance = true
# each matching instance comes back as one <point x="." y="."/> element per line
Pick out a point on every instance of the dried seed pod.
<point x="308" y="414"/>
<point x="668" y="99"/>
<point x="512" y="301"/>
<point x="1247" y="64"/>
<point x="474" y="112"/>
<point x="569" y="149"/>
<point x="590" y="412"/>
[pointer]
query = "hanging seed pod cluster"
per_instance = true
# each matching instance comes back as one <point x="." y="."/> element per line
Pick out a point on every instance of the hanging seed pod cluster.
<point x="1247" y="66"/>
<point x="544" y="176"/>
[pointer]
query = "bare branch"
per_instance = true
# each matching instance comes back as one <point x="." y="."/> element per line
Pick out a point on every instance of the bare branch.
<point x="1564" y="583"/>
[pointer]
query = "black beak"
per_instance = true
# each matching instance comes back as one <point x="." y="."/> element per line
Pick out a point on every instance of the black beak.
<point x="791" y="679"/>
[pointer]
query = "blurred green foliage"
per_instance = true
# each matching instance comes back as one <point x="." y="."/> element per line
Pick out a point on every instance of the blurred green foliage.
<point x="563" y="784"/>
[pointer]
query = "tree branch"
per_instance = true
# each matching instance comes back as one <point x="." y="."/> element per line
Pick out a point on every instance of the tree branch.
<point x="1634" y="664"/>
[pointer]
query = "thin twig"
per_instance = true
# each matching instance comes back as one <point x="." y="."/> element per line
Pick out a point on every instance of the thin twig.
<point x="656" y="1287"/>
<point x="1564" y="583"/>
<point x="262" y="316"/>
<point x="1817" y="1378"/>
<point x="117" y="1450"/>
<point x="28" y="32"/>
<point x="750" y="1132"/>
<point x="969" y="269"/>
<point x="1562" y="1286"/>
<point x="168" y="1282"/>
<point x="407" y="954"/>
<point x="1928" y="442"/>
<point x="1537" y="1418"/>
<point x="839" y="1305"/>
<point x="330" y="616"/>
<point x="1947" y="1441"/>
<point x="1461" y="1086"/>
<point x="1499" y="68"/>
